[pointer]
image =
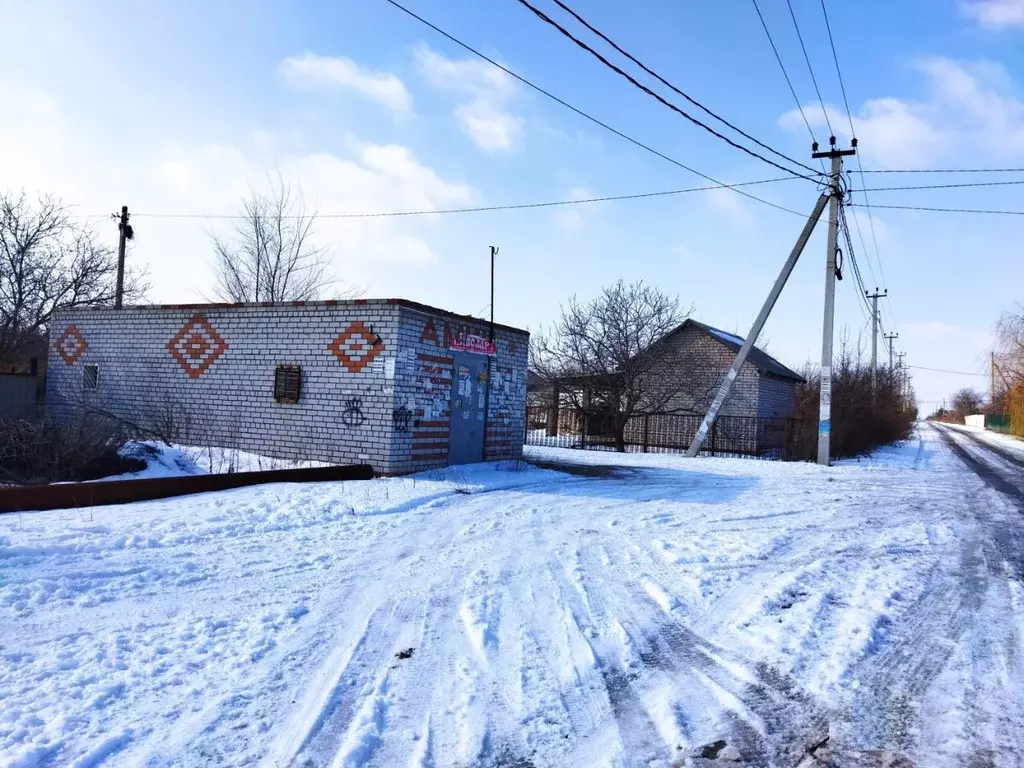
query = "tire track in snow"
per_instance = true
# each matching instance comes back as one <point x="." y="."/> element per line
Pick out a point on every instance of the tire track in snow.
<point x="343" y="723"/>
<point x="910" y="667"/>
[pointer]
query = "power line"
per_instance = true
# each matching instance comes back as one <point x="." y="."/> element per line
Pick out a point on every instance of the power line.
<point x="661" y="99"/>
<point x="839" y="72"/>
<point x="810" y="69"/>
<point x="478" y="209"/>
<point x="945" y="170"/>
<point x="785" y="74"/>
<point x="587" y="116"/>
<point x="944" y="210"/>
<point x="853" y="135"/>
<point x="944" y="186"/>
<point x="669" y="85"/>
<point x="943" y="370"/>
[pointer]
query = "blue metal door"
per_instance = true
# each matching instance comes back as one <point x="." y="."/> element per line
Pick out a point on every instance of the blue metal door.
<point x="466" y="440"/>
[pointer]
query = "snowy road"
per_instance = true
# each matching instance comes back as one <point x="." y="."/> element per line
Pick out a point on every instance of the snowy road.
<point x="656" y="612"/>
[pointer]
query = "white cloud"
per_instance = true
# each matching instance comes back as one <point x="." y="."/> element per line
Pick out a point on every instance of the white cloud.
<point x="324" y="73"/>
<point x="473" y="77"/>
<point x="571" y="217"/>
<point x="968" y="112"/>
<point x="995" y="14"/>
<point x="484" y="92"/>
<point x="43" y="154"/>
<point x="726" y="201"/>
<point x="488" y="126"/>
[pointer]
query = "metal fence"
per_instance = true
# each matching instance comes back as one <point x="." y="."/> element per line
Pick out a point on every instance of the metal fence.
<point x="736" y="436"/>
<point x="21" y="395"/>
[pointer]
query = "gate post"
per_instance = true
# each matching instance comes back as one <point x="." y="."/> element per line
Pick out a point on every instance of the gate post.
<point x="647" y="418"/>
<point x="714" y="434"/>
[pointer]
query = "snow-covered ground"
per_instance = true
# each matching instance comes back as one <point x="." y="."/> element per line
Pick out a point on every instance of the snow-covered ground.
<point x="1010" y="442"/>
<point x="176" y="460"/>
<point x="643" y="610"/>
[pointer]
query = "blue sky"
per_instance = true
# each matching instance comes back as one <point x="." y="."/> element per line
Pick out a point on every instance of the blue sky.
<point x="178" y="107"/>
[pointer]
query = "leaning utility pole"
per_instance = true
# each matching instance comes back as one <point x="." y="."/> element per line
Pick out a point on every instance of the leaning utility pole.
<point x="828" y="324"/>
<point x="890" y="337"/>
<point x="874" y="337"/>
<point x="756" y="328"/>
<point x="124" y="234"/>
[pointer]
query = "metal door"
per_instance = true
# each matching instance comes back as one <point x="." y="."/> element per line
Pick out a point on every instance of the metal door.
<point x="466" y="441"/>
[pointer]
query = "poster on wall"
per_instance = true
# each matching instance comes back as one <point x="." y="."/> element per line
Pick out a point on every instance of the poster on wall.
<point x="470" y="343"/>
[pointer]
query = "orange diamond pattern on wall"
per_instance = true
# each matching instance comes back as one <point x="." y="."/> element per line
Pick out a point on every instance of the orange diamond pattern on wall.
<point x="70" y="345"/>
<point x="196" y="346"/>
<point x="356" y="347"/>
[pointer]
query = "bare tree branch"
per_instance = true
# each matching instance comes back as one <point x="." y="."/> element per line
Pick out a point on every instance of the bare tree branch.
<point x="605" y="354"/>
<point x="48" y="262"/>
<point x="271" y="254"/>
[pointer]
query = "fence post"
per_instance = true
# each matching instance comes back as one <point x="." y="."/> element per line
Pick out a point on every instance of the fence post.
<point x="583" y="429"/>
<point x="647" y="418"/>
<point x="554" y="409"/>
<point x="714" y="435"/>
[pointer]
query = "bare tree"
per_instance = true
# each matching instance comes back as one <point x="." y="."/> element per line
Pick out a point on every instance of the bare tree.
<point x="605" y="353"/>
<point x="1010" y="347"/>
<point x="48" y="261"/>
<point x="967" y="401"/>
<point x="271" y="255"/>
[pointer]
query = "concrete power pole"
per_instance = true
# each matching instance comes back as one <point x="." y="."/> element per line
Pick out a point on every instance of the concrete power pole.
<point x="890" y="337"/>
<point x="125" y="233"/>
<point x="828" y="324"/>
<point x="756" y="328"/>
<point x="902" y="373"/>
<point x="874" y="337"/>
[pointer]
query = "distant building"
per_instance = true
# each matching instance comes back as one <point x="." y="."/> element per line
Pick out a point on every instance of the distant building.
<point x="392" y="383"/>
<point x="697" y="357"/>
<point x="764" y="388"/>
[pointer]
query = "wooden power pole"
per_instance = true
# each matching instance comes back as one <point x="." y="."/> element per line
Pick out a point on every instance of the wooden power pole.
<point x="125" y="233"/>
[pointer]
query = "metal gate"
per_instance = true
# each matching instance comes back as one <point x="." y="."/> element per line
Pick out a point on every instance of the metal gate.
<point x="469" y="382"/>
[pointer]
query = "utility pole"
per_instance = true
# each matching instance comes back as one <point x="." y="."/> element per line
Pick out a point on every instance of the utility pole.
<point x="828" y="324"/>
<point x="494" y="252"/>
<point x="992" y="379"/>
<point x="756" y="328"/>
<point x="890" y="337"/>
<point x="874" y="338"/>
<point x="902" y="372"/>
<point x="125" y="233"/>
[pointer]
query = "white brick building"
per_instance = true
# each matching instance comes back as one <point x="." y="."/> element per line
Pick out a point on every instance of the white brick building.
<point x="385" y="382"/>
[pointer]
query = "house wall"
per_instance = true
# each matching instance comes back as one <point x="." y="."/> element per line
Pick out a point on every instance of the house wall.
<point x="424" y="383"/>
<point x="776" y="397"/>
<point x="702" y="363"/>
<point x="372" y="383"/>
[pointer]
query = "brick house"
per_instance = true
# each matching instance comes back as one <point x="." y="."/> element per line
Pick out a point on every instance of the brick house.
<point x="389" y="382"/>
<point x="691" y="362"/>
<point x="764" y="388"/>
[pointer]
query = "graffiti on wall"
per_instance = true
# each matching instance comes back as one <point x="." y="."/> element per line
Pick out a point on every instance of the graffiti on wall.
<point x="71" y="345"/>
<point x="429" y="335"/>
<point x="356" y="347"/>
<point x="196" y="346"/>
<point x="401" y="419"/>
<point x="352" y="413"/>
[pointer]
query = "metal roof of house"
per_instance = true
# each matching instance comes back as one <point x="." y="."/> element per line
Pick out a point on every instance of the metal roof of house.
<point x="757" y="358"/>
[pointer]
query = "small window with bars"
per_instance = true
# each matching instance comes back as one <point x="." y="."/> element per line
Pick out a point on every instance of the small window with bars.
<point x="287" y="383"/>
<point x="91" y="376"/>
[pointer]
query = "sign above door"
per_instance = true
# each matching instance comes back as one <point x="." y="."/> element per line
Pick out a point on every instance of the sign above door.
<point x="470" y="343"/>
